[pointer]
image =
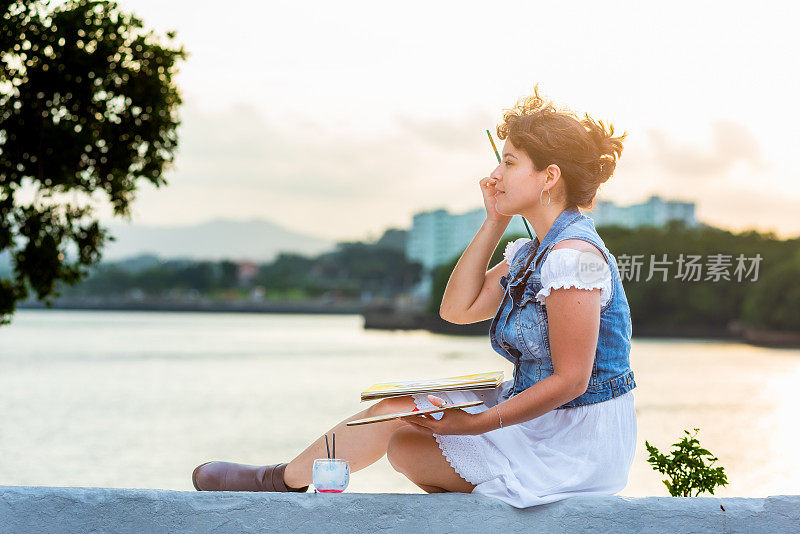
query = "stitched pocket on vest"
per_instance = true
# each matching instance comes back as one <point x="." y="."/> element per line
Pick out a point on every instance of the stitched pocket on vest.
<point x="531" y="318"/>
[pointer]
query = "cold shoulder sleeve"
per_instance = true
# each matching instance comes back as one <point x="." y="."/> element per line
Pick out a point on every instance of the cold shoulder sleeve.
<point x="561" y="269"/>
<point x="513" y="247"/>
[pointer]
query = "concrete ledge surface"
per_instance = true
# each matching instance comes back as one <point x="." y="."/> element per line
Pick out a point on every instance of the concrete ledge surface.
<point x="44" y="509"/>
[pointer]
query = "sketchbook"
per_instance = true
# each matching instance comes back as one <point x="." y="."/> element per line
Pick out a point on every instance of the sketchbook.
<point x="398" y="415"/>
<point x="412" y="387"/>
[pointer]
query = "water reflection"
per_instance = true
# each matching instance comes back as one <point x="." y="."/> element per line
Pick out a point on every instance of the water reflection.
<point x="137" y="399"/>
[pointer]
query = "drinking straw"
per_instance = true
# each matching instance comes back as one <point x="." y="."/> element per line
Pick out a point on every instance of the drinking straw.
<point x="327" y="447"/>
<point x="334" y="445"/>
<point x="496" y="153"/>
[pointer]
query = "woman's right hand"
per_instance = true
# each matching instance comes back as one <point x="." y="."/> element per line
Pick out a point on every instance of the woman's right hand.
<point x="490" y="201"/>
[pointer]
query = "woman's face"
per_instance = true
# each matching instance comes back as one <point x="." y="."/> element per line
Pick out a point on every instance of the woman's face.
<point x="518" y="182"/>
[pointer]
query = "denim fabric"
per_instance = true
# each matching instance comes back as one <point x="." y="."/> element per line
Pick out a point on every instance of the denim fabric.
<point x="520" y="333"/>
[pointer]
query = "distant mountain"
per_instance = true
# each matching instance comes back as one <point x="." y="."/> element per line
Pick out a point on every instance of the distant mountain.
<point x="255" y="240"/>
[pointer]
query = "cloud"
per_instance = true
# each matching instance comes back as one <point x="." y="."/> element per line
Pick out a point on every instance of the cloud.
<point x="312" y="176"/>
<point x="315" y="177"/>
<point x="730" y="144"/>
<point x="245" y="149"/>
<point x="451" y="135"/>
<point x="741" y="208"/>
<point x="732" y="183"/>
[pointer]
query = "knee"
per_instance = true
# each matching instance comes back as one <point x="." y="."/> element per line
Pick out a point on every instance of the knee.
<point x="391" y="405"/>
<point x="400" y="450"/>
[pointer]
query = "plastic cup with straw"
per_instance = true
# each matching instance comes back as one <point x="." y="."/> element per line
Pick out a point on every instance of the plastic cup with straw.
<point x="331" y="474"/>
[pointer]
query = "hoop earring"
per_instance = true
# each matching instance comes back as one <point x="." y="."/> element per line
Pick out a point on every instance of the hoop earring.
<point x="548" y="198"/>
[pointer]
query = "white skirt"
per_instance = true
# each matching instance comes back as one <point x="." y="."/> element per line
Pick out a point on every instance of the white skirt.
<point x="586" y="450"/>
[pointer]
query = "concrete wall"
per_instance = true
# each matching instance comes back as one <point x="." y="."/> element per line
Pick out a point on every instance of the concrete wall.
<point x="40" y="509"/>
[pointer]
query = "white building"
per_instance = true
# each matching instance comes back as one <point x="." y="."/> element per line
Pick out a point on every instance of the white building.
<point x="655" y="212"/>
<point x="437" y="237"/>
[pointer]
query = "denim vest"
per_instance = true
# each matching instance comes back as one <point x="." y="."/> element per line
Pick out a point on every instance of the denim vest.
<point x="519" y="331"/>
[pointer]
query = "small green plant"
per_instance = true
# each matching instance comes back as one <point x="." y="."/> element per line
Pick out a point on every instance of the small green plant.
<point x="687" y="469"/>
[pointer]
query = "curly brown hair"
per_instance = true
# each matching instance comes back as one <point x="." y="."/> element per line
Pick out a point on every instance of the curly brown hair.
<point x="585" y="150"/>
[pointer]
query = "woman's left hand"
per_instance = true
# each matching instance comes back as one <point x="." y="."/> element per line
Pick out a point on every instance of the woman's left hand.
<point x="452" y="421"/>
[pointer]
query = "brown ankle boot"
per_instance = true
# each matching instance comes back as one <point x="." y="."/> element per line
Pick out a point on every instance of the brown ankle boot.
<point x="228" y="476"/>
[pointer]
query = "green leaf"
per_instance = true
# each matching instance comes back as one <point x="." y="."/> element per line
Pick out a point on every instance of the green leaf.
<point x="686" y="469"/>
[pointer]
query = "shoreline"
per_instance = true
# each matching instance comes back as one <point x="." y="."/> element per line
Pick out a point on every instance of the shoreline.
<point x="312" y="307"/>
<point x="394" y="317"/>
<point x="389" y="318"/>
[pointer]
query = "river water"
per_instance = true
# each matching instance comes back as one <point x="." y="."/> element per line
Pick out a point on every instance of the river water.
<point x="138" y="399"/>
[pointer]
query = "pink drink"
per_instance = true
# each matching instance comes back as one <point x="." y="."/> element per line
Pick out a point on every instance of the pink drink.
<point x="330" y="475"/>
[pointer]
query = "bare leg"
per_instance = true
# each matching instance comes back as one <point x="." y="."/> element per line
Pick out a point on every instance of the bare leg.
<point x="416" y="454"/>
<point x="360" y="445"/>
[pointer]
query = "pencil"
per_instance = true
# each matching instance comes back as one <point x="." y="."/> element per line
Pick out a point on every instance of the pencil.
<point x="491" y="140"/>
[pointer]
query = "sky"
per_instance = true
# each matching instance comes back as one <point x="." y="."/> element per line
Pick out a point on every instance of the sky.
<point x="340" y="119"/>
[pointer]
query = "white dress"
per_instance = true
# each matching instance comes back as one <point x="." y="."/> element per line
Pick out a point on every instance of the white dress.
<point x="586" y="450"/>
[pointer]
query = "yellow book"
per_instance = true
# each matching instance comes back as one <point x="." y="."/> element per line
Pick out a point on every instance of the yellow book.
<point x="411" y="387"/>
